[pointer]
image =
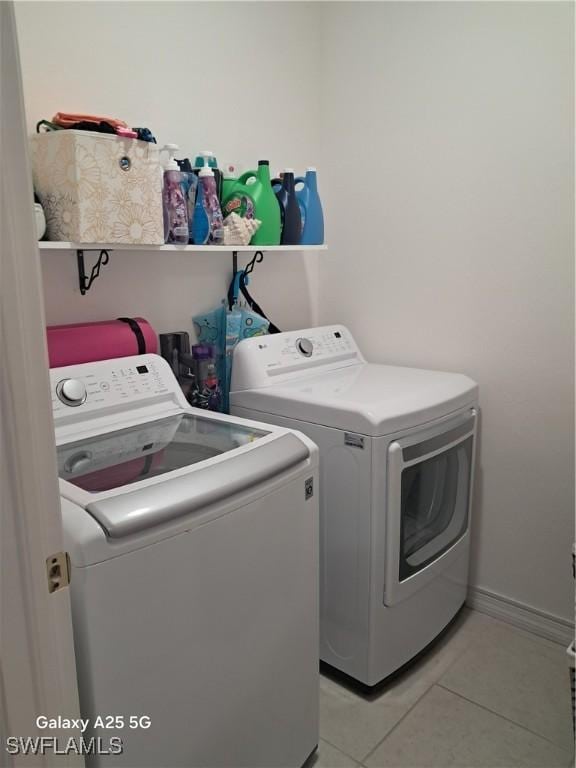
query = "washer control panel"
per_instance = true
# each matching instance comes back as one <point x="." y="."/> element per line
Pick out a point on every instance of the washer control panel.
<point x="77" y="389"/>
<point x="261" y="358"/>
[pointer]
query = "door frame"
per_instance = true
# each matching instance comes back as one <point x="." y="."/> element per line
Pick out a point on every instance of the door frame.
<point x="37" y="663"/>
<point x="396" y="590"/>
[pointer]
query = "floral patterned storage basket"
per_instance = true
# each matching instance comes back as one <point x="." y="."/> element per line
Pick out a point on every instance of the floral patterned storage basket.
<point x="98" y="188"/>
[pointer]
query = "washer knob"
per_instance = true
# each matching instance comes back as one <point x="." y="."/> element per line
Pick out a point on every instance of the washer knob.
<point x="71" y="392"/>
<point x="305" y="347"/>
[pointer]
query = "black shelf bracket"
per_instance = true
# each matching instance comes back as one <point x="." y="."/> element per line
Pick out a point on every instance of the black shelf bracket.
<point x="256" y="259"/>
<point x="84" y="282"/>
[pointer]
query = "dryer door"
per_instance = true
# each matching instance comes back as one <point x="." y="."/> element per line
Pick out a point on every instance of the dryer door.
<point x="429" y="493"/>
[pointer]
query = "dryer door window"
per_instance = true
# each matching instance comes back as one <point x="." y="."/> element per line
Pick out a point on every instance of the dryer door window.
<point x="435" y="494"/>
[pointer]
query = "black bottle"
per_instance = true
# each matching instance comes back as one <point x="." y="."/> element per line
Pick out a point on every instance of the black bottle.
<point x="289" y="208"/>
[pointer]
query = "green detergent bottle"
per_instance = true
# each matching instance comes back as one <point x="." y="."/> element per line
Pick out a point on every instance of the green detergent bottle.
<point x="230" y="175"/>
<point x="252" y="197"/>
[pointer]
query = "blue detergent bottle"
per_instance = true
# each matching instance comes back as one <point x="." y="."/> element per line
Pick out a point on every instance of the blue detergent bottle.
<point x="207" y="157"/>
<point x="200" y="222"/>
<point x="310" y="209"/>
<point x="289" y="208"/>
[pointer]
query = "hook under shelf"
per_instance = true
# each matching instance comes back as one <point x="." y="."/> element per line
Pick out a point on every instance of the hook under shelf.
<point x="84" y="281"/>
<point x="256" y="259"/>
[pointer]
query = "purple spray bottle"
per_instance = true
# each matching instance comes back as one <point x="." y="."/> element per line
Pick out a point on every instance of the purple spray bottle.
<point x="174" y="202"/>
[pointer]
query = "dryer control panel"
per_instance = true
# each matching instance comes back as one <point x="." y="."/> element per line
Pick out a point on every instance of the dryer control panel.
<point x="78" y="390"/>
<point x="264" y="360"/>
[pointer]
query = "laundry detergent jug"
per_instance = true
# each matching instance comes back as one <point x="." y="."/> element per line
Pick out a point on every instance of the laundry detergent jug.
<point x="252" y="197"/>
<point x="289" y="208"/>
<point x="230" y="174"/>
<point x="310" y="209"/>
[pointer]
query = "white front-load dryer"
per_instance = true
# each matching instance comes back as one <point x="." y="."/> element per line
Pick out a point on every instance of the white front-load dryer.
<point x="397" y="448"/>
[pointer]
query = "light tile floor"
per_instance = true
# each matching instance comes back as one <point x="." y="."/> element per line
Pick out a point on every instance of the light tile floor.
<point x="486" y="695"/>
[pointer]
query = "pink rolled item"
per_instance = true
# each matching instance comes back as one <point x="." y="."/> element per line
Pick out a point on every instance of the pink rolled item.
<point x="122" y="474"/>
<point x="86" y="342"/>
<point x="126" y="133"/>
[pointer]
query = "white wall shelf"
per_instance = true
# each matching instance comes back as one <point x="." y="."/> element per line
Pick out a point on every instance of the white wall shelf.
<point x="46" y="245"/>
<point x="85" y="280"/>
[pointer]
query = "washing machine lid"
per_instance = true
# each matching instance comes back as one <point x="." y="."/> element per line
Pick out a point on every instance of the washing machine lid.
<point x="118" y="458"/>
<point x="142" y="476"/>
<point x="366" y="398"/>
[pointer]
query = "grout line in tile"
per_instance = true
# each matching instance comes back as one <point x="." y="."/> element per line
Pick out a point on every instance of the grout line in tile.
<point x="457" y="658"/>
<point x="339" y="749"/>
<point x="405" y="715"/>
<point x="503" y="717"/>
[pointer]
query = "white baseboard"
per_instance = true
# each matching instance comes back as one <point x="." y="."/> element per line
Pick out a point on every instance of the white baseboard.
<point x="521" y="615"/>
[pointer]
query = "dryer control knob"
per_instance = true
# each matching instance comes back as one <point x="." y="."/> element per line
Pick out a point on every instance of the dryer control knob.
<point x="71" y="392"/>
<point x="305" y="347"/>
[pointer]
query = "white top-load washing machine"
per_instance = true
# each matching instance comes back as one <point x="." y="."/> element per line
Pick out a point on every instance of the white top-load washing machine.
<point x="396" y="474"/>
<point x="192" y="538"/>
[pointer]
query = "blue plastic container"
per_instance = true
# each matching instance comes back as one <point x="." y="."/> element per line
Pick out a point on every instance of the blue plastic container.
<point x="310" y="209"/>
<point x="285" y="191"/>
<point x="200" y="222"/>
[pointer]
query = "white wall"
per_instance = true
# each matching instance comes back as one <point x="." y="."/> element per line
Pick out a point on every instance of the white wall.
<point x="448" y="176"/>
<point x="238" y="78"/>
<point x="445" y="136"/>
